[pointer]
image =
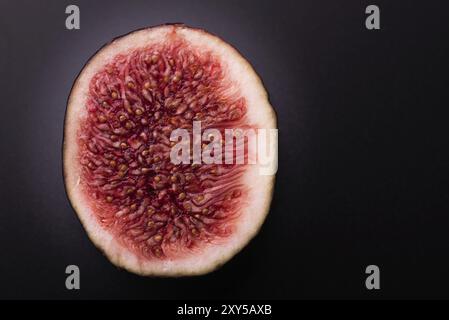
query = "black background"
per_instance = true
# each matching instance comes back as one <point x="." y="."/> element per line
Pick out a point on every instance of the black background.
<point x="363" y="148"/>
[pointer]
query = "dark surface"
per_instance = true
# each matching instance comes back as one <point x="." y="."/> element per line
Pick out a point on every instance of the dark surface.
<point x="363" y="148"/>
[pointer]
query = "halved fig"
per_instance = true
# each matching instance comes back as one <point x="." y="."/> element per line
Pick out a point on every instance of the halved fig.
<point x="149" y="214"/>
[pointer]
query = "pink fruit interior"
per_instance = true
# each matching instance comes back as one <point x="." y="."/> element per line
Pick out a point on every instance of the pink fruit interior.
<point x="153" y="207"/>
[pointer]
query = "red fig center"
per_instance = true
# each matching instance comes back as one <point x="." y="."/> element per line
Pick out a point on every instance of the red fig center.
<point x="155" y="207"/>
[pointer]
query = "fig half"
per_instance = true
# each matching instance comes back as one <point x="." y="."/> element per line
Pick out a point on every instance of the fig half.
<point x="148" y="213"/>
